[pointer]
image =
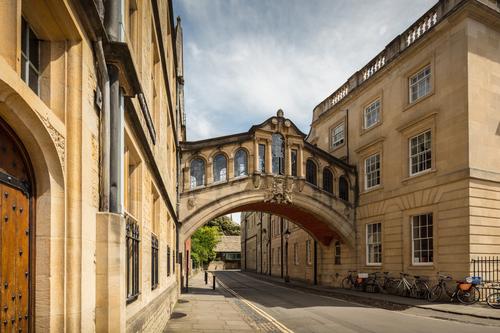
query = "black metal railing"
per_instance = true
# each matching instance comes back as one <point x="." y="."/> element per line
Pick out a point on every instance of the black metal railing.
<point x="488" y="268"/>
<point x="154" y="261"/>
<point x="132" y="245"/>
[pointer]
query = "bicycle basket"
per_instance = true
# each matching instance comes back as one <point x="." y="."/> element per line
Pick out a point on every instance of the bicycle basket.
<point x="465" y="286"/>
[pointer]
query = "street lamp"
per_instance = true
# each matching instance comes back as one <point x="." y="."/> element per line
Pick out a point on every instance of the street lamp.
<point x="287" y="236"/>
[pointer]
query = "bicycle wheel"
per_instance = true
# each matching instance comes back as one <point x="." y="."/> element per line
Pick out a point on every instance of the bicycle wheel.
<point x="435" y="293"/>
<point x="347" y="283"/>
<point x="493" y="300"/>
<point x="470" y="296"/>
<point x="391" y="287"/>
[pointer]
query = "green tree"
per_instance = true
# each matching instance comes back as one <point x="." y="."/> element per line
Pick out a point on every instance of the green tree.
<point x="203" y="244"/>
<point x="226" y="226"/>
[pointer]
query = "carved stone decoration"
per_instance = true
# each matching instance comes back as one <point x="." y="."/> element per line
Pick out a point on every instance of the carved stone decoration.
<point x="256" y="180"/>
<point x="57" y="137"/>
<point x="280" y="191"/>
<point x="191" y="203"/>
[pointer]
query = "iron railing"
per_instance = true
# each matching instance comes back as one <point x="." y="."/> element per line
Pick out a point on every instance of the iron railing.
<point x="132" y="245"/>
<point x="488" y="268"/>
<point x="154" y="261"/>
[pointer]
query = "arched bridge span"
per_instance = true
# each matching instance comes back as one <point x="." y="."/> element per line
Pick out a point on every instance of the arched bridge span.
<point x="270" y="168"/>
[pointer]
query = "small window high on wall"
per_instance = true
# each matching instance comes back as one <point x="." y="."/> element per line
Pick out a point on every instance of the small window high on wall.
<point x="220" y="168"/>
<point x="311" y="172"/>
<point x="262" y="158"/>
<point x="240" y="163"/>
<point x="278" y="152"/>
<point x="197" y="173"/>
<point x="327" y="180"/>
<point x="30" y="57"/>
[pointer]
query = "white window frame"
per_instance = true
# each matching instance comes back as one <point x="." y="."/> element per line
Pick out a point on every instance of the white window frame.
<point x="372" y="161"/>
<point x="422" y="153"/>
<point x="412" y="220"/>
<point x="421" y="77"/>
<point x="372" y="109"/>
<point x="373" y="243"/>
<point x="337" y="141"/>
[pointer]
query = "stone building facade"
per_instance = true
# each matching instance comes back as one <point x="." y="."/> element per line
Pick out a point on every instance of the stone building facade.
<point x="90" y="120"/>
<point x="420" y="122"/>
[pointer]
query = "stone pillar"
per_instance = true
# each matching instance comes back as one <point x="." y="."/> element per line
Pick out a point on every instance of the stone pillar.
<point x="269" y="157"/>
<point x="230" y="167"/>
<point x="210" y="171"/>
<point x="74" y="157"/>
<point x="301" y="163"/>
<point x="288" y="159"/>
<point x="255" y="156"/>
<point x="110" y="313"/>
<point x="10" y="25"/>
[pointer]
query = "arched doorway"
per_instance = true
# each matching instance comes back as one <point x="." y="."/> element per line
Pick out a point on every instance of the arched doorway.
<point x="16" y="230"/>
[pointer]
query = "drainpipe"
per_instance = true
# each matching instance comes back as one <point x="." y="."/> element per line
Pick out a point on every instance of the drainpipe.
<point x="116" y="141"/>
<point x="104" y="125"/>
<point x="112" y="25"/>
<point x="261" y="253"/>
<point x="281" y="234"/>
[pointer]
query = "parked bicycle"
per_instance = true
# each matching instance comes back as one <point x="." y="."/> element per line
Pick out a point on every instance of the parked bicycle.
<point x="493" y="299"/>
<point x="352" y="281"/>
<point x="417" y="287"/>
<point x="376" y="283"/>
<point x="466" y="291"/>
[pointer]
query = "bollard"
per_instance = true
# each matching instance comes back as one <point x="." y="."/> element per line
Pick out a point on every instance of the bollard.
<point x="213" y="286"/>
<point x="206" y="277"/>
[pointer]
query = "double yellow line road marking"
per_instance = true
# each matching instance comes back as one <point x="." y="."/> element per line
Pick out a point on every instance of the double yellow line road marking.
<point x="267" y="316"/>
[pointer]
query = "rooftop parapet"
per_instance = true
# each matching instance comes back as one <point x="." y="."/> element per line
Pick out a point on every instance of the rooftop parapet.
<point x="422" y="26"/>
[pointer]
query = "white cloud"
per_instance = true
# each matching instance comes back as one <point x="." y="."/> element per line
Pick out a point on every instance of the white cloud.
<point x="246" y="59"/>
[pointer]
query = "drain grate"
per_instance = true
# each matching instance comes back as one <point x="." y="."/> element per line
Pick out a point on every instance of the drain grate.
<point x="177" y="315"/>
<point x="182" y="301"/>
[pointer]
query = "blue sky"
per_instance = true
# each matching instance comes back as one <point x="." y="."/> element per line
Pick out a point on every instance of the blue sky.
<point x="244" y="59"/>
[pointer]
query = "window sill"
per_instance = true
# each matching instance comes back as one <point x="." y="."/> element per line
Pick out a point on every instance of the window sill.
<point x="418" y="175"/>
<point x="332" y="149"/>
<point x="422" y="265"/>
<point x="373" y="265"/>
<point x="373" y="189"/>
<point x="366" y="130"/>
<point x="412" y="104"/>
<point x="132" y="299"/>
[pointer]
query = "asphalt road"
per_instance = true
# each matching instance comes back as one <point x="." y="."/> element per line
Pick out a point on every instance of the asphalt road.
<point x="300" y="311"/>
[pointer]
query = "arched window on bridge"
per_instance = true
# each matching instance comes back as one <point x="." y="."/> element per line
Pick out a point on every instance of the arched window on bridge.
<point x="278" y="152"/>
<point x="240" y="163"/>
<point x="197" y="171"/>
<point x="220" y="168"/>
<point x="343" y="188"/>
<point x="327" y="180"/>
<point x="311" y="172"/>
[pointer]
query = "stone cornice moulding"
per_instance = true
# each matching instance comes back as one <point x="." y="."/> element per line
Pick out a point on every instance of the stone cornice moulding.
<point x="414" y="122"/>
<point x="370" y="144"/>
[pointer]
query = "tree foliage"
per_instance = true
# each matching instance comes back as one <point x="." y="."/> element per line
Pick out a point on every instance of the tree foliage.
<point x="203" y="244"/>
<point x="225" y="225"/>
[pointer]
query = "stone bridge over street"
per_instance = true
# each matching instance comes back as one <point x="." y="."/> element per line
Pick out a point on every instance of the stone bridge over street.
<point x="270" y="168"/>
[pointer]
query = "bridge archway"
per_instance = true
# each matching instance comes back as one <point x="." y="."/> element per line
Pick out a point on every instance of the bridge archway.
<point x="283" y="190"/>
<point x="312" y="213"/>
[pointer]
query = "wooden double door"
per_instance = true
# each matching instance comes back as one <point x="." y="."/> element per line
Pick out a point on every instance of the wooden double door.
<point x="16" y="207"/>
<point x="14" y="269"/>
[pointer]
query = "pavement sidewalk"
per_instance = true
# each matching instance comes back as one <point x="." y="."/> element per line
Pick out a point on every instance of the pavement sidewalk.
<point x="476" y="310"/>
<point x="206" y="310"/>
